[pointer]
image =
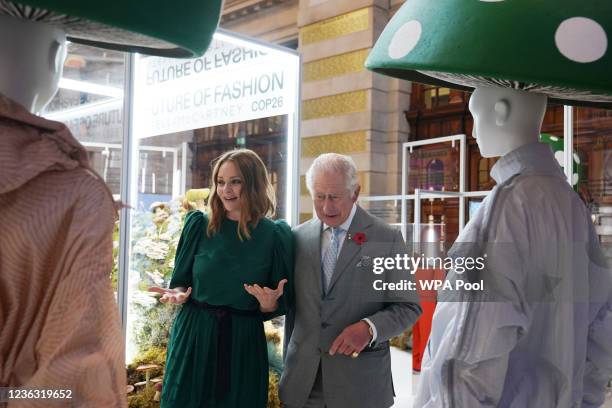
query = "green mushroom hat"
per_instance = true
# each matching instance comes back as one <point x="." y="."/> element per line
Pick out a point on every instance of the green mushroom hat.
<point x="557" y="48"/>
<point x="155" y="27"/>
<point x="557" y="146"/>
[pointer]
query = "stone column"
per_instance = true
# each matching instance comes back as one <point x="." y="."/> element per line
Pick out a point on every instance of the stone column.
<point x="345" y="108"/>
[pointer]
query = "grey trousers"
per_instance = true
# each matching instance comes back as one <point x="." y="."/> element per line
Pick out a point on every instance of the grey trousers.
<point x="315" y="399"/>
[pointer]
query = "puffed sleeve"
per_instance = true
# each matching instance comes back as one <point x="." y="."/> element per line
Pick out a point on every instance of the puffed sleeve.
<point x="282" y="267"/>
<point x="194" y="228"/>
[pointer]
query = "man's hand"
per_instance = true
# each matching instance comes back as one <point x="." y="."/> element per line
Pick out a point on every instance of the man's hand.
<point x="353" y="339"/>
<point x="265" y="296"/>
<point x="177" y="296"/>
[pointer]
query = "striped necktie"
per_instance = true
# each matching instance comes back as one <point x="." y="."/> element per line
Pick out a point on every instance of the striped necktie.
<point x="330" y="258"/>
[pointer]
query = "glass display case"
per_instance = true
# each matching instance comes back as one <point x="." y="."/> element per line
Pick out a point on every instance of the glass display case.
<point x="152" y="127"/>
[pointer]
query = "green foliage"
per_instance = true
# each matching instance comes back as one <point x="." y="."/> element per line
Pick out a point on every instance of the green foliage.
<point x="154" y="355"/>
<point x="274" y="339"/>
<point x="115" y="270"/>
<point x="143" y="399"/>
<point x="155" y="237"/>
<point x="275" y="358"/>
<point x="403" y="341"/>
<point x="273" y="399"/>
<point x="154" y="326"/>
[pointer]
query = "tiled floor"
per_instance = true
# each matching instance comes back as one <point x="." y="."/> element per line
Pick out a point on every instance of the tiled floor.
<point x="405" y="383"/>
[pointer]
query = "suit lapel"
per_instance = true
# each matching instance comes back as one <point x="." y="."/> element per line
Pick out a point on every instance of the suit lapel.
<point x="350" y="249"/>
<point x="313" y="248"/>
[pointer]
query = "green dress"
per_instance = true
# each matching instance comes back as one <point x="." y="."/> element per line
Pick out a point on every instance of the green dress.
<point x="216" y="268"/>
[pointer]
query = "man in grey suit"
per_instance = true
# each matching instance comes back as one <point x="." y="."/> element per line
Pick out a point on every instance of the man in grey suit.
<point x="337" y="351"/>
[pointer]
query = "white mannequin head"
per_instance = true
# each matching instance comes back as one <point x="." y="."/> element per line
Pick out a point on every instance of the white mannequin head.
<point x="506" y="119"/>
<point x="31" y="61"/>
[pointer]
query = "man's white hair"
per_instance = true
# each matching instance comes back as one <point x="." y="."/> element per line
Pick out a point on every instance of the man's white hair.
<point x="333" y="162"/>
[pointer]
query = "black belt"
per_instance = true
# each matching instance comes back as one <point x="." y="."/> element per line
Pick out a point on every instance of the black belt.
<point x="224" y="342"/>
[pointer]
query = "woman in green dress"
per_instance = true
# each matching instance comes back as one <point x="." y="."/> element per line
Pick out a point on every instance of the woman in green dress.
<point x="225" y="266"/>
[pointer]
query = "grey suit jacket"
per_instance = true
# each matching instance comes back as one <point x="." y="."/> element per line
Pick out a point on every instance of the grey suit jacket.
<point x="317" y="318"/>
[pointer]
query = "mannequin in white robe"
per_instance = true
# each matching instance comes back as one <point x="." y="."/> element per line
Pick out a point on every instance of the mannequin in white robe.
<point x="540" y="334"/>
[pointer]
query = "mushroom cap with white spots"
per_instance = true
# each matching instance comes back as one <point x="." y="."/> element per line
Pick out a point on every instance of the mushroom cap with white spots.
<point x="556" y="144"/>
<point x="559" y="48"/>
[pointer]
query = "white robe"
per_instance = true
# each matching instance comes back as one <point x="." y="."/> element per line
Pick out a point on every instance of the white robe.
<point x="544" y="337"/>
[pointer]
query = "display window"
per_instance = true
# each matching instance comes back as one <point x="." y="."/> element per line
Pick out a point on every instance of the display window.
<point x="153" y="126"/>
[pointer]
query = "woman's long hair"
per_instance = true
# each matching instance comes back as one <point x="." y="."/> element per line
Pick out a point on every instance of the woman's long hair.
<point x="256" y="196"/>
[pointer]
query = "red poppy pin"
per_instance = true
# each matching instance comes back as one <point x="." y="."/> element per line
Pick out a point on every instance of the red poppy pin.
<point x="359" y="238"/>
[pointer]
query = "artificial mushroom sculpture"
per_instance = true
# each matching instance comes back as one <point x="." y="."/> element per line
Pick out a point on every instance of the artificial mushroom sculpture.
<point x="158" y="389"/>
<point x="147" y="368"/>
<point x="560" y="49"/>
<point x="539" y="333"/>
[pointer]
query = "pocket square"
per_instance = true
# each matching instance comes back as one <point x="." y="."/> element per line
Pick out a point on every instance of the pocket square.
<point x="365" y="261"/>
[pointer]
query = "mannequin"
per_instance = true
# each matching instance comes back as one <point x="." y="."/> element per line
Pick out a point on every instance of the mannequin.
<point x="31" y="61"/>
<point x="494" y="111"/>
<point x="60" y="323"/>
<point x="539" y="333"/>
<point x="58" y="314"/>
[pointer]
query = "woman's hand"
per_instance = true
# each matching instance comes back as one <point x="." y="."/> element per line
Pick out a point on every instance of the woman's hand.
<point x="177" y="296"/>
<point x="265" y="296"/>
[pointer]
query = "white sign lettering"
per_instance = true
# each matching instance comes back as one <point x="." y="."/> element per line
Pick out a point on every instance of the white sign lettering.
<point x="230" y="83"/>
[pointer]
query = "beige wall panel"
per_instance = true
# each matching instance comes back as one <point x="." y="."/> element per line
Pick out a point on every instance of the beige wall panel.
<point x="305" y="217"/>
<point x="336" y="124"/>
<point x="394" y="122"/>
<point x="334" y="27"/>
<point x="362" y="161"/>
<point x="364" y="182"/>
<point x="380" y="18"/>
<point x="317" y="10"/>
<point x="387" y="138"/>
<point x="337" y="85"/>
<point x="335" y="66"/>
<point x="385" y="184"/>
<point x="335" y="105"/>
<point x="333" y="69"/>
<point x="305" y="163"/>
<point x="347" y="43"/>
<point x="344" y="143"/>
<point x="394" y="163"/>
<point x="378" y="162"/>
<point x="387" y="111"/>
<point x="303" y="187"/>
<point x="380" y="142"/>
<point x="389" y="102"/>
<point x="386" y="122"/>
<point x="388" y="84"/>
